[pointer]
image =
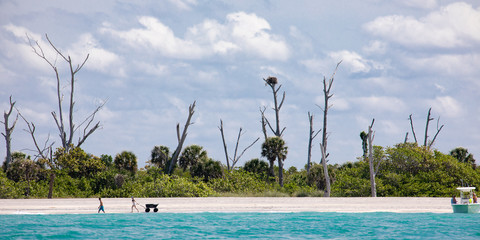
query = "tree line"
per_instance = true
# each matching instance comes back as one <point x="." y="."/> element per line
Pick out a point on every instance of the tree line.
<point x="67" y="170"/>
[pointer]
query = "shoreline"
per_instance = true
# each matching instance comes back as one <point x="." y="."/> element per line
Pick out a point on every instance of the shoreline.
<point x="229" y="204"/>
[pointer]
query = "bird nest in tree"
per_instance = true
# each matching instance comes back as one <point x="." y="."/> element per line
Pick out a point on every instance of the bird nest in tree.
<point x="272" y="80"/>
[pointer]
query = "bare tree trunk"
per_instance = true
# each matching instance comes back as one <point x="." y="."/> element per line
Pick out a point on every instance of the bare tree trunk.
<point x="312" y="135"/>
<point x="325" y="172"/>
<point x="436" y="134"/>
<point x="181" y="140"/>
<point x="280" y="172"/>
<point x="8" y="132"/>
<point x="264" y="123"/>
<point x="323" y="145"/>
<point x="371" y="137"/>
<point x="426" y="127"/>
<point x="235" y="158"/>
<point x="224" y="145"/>
<point x="413" y="130"/>
<point x="50" y="184"/>
<point x="272" y="81"/>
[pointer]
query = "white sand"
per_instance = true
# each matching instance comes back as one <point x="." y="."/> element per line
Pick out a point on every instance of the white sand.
<point x="227" y="204"/>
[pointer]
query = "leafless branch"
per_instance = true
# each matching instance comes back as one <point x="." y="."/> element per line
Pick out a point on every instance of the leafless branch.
<point x="436" y="134"/>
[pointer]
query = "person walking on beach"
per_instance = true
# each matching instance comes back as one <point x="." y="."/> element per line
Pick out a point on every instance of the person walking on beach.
<point x="100" y="208"/>
<point x="134" y="205"/>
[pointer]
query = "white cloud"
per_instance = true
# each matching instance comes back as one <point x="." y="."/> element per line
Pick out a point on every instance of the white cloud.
<point x="447" y="106"/>
<point x="454" y="65"/>
<point x="375" y="47"/>
<point x="184" y="4"/>
<point x="241" y="32"/>
<point x="457" y="24"/>
<point x="354" y="62"/>
<point x="251" y="31"/>
<point x="155" y="35"/>
<point x="339" y="103"/>
<point x="100" y="59"/>
<point x="426" y="4"/>
<point x="316" y="65"/>
<point x="156" y="70"/>
<point x="383" y="104"/>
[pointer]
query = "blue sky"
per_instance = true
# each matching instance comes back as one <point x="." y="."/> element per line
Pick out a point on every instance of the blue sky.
<point x="152" y="59"/>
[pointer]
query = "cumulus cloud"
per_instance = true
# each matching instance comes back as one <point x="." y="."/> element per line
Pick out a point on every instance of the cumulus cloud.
<point x="382" y="103"/>
<point x="100" y="59"/>
<point x="454" y="25"/>
<point x="464" y="65"/>
<point x="447" y="106"/>
<point x="241" y="32"/>
<point x="426" y="4"/>
<point x="184" y="4"/>
<point x="375" y="47"/>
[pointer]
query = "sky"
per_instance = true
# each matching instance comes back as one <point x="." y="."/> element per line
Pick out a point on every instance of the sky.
<point x="151" y="59"/>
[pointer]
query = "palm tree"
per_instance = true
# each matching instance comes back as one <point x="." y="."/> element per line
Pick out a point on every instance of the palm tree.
<point x="160" y="156"/>
<point x="274" y="148"/>
<point x="191" y="155"/>
<point x="462" y="155"/>
<point x="126" y="161"/>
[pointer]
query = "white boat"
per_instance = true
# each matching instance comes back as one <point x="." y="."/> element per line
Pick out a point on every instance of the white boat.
<point x="466" y="204"/>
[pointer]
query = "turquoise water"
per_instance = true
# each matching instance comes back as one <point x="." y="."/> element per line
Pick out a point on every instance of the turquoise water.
<point x="304" y="225"/>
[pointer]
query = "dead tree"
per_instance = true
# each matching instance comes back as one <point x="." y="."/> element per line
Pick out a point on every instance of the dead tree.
<point x="264" y="123"/>
<point x="413" y="130"/>
<point x="312" y="135"/>
<point x="371" y="160"/>
<point x="426" y="143"/>
<point x="235" y="158"/>
<point x="67" y="133"/>
<point x="44" y="152"/>
<point x="9" y="131"/>
<point x="323" y="144"/>
<point x="181" y="139"/>
<point x="272" y="82"/>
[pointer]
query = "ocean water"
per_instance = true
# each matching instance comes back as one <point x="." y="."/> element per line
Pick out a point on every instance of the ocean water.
<point x="303" y="225"/>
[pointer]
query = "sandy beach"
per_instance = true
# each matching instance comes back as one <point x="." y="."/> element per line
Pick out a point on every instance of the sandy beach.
<point x="227" y="204"/>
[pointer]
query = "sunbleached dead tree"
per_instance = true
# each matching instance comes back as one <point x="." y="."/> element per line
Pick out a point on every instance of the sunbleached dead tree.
<point x="272" y="82"/>
<point x="371" y="160"/>
<point x="67" y="133"/>
<point x="44" y="152"/>
<point x="426" y="143"/>
<point x="235" y="158"/>
<point x="323" y="144"/>
<point x="9" y="131"/>
<point x="181" y="138"/>
<point x="311" y="136"/>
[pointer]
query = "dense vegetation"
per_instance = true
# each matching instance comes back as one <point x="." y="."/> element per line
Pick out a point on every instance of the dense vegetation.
<point x="404" y="170"/>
